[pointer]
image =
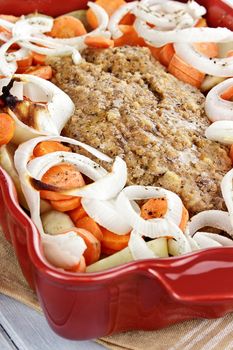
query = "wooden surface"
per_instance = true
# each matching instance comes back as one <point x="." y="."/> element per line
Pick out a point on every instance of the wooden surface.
<point x="25" y="329"/>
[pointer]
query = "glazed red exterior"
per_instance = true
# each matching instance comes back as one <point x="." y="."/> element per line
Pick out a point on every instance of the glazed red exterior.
<point x="147" y="295"/>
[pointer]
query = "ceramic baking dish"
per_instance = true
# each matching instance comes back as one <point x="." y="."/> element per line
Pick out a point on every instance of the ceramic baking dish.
<point x="146" y="295"/>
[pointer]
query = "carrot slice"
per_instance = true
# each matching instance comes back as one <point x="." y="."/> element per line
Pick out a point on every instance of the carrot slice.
<point x="129" y="37"/>
<point x="128" y="19"/>
<point x="24" y="64"/>
<point x="65" y="176"/>
<point x="77" y="214"/>
<point x="155" y="51"/>
<point x="157" y="208"/>
<point x="9" y="18"/>
<point x="107" y="251"/>
<point x="67" y="27"/>
<point x="7" y="128"/>
<point x="67" y="204"/>
<point x="98" y="42"/>
<point x="44" y="72"/>
<point x="185" y="72"/>
<point x="230" y="53"/>
<point x="184" y="219"/>
<point x="80" y="267"/>
<point x="46" y="147"/>
<point x="228" y="94"/>
<point x="154" y="208"/>
<point x="201" y="23"/>
<point x="113" y="241"/>
<point x="54" y="196"/>
<point x="109" y="6"/>
<point x="90" y="225"/>
<point x="165" y="54"/>
<point x="38" y="59"/>
<point x="92" y="253"/>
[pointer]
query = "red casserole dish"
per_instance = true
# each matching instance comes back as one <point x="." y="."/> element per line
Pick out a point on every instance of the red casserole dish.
<point x="148" y="294"/>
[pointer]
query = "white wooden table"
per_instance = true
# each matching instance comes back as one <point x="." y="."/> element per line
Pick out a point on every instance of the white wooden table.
<point x="22" y="328"/>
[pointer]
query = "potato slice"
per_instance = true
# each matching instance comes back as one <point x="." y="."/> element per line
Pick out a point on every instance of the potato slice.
<point x="159" y="247"/>
<point x="55" y="222"/>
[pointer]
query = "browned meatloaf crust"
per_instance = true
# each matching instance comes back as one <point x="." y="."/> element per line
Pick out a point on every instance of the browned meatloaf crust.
<point x="127" y="105"/>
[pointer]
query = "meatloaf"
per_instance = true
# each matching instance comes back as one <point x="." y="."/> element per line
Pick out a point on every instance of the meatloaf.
<point x="128" y="105"/>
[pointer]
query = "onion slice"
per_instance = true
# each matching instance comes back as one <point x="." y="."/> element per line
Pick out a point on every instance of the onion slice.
<point x="64" y="250"/>
<point x="139" y="248"/>
<point x="221" y="131"/>
<point x="154" y="228"/>
<point x="217" y="108"/>
<point x="219" y="67"/>
<point x="209" y="240"/>
<point x="49" y="117"/>
<point x="105" y="213"/>
<point x="32" y="25"/>
<point x="117" y="17"/>
<point x="21" y="159"/>
<point x="211" y="218"/>
<point x="106" y="185"/>
<point x="227" y="192"/>
<point x="159" y="38"/>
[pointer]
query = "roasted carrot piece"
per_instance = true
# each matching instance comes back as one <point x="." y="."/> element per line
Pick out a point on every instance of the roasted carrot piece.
<point x="65" y="176"/>
<point x="67" y="204"/>
<point x="80" y="267"/>
<point x="201" y="23"/>
<point x="155" y="51"/>
<point x="38" y="59"/>
<point x="90" y="225"/>
<point x="110" y="7"/>
<point x="230" y="53"/>
<point x="129" y="37"/>
<point x="92" y="253"/>
<point x="46" y="147"/>
<point x="166" y="53"/>
<point x="128" y="19"/>
<point x="208" y="49"/>
<point x="9" y="18"/>
<point x="98" y="42"/>
<point x="228" y="94"/>
<point x="154" y="208"/>
<point x="7" y="128"/>
<point x="24" y="64"/>
<point x="54" y="196"/>
<point x="107" y="251"/>
<point x="185" y="72"/>
<point x="44" y="72"/>
<point x="113" y="241"/>
<point x="67" y="27"/>
<point x="77" y="214"/>
<point x="157" y="208"/>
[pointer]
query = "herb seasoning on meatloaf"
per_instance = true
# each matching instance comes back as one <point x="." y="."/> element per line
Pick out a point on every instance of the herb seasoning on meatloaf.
<point x="128" y="105"/>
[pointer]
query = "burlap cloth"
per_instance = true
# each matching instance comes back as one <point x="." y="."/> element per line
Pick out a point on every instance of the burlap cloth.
<point x="189" y="335"/>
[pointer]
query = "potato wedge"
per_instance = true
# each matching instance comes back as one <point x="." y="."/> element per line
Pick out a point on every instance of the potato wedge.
<point x="55" y="222"/>
<point x="209" y="82"/>
<point x="159" y="247"/>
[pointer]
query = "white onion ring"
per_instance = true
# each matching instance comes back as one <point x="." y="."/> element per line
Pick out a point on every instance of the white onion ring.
<point x="6" y="24"/>
<point x="32" y="25"/>
<point x="219" y="67"/>
<point x="227" y="192"/>
<point x="159" y="38"/>
<point x="211" y="218"/>
<point x="217" y="108"/>
<point x="208" y="240"/>
<point x="106" y="214"/>
<point x="221" y="131"/>
<point x="154" y="228"/>
<point x="139" y="248"/>
<point x="117" y="17"/>
<point x="7" y="68"/>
